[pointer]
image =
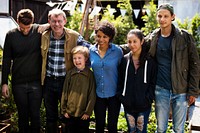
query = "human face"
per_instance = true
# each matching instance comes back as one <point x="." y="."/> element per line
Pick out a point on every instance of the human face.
<point x="57" y="23"/>
<point x="134" y="43"/>
<point x="102" y="39"/>
<point x="24" y="28"/>
<point x="79" y="61"/>
<point x="165" y="18"/>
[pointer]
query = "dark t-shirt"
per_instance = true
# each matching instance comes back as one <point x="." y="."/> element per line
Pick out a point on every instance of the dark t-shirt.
<point x="164" y="58"/>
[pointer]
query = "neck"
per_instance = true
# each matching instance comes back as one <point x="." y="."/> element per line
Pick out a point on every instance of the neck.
<point x="135" y="56"/>
<point x="103" y="48"/>
<point x="57" y="35"/>
<point x="165" y="32"/>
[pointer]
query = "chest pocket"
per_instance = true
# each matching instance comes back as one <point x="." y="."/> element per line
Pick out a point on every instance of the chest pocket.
<point x="182" y="51"/>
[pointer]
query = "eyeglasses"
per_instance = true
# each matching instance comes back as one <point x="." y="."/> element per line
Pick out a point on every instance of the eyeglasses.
<point x="58" y="21"/>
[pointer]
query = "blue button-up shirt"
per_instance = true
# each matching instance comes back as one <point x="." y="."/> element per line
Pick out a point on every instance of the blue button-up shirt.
<point x="106" y="70"/>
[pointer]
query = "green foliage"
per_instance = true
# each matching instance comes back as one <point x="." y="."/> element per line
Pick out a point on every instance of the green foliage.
<point x="122" y="124"/>
<point x="195" y="28"/>
<point x="150" y="19"/>
<point x="10" y="107"/>
<point x="151" y="126"/>
<point x="122" y="23"/>
<point x="74" y="21"/>
<point x="184" y="25"/>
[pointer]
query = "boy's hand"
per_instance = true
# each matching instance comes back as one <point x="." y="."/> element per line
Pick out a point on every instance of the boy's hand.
<point x="66" y="115"/>
<point x="85" y="117"/>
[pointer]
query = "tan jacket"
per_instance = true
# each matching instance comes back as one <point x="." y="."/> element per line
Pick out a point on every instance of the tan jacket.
<point x="70" y="42"/>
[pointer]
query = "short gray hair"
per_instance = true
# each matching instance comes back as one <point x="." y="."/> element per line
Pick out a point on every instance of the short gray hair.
<point x="56" y="12"/>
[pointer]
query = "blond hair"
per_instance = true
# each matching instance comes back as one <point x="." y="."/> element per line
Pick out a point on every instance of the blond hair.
<point x="81" y="50"/>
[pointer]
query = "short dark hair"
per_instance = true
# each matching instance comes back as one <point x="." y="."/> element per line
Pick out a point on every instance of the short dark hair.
<point x="25" y="16"/>
<point x="107" y="28"/>
<point x="166" y="6"/>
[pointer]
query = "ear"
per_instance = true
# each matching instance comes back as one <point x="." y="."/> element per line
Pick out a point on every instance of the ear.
<point x="173" y="17"/>
<point x="142" y="41"/>
<point x="65" y="21"/>
<point x="86" y="59"/>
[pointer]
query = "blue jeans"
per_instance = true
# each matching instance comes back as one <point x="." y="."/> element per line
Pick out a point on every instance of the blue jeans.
<point x="52" y="96"/>
<point x="179" y="104"/>
<point x="137" y="122"/>
<point x="28" y="98"/>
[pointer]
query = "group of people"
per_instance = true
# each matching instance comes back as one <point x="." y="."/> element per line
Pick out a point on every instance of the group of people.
<point x="60" y="66"/>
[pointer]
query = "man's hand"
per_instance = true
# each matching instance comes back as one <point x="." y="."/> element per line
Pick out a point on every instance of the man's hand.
<point x="5" y="91"/>
<point x="191" y="100"/>
<point x="85" y="117"/>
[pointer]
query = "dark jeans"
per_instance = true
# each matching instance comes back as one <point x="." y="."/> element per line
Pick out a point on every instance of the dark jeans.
<point x="28" y="98"/>
<point x="52" y="96"/>
<point x="111" y="104"/>
<point x="76" y="125"/>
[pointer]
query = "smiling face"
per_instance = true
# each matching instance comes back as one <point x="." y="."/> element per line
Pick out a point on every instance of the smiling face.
<point x="134" y="43"/>
<point x="102" y="39"/>
<point x="57" y="23"/>
<point x="79" y="61"/>
<point x="164" y="18"/>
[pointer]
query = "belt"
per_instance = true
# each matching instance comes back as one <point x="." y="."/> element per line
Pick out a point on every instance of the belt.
<point x="55" y="77"/>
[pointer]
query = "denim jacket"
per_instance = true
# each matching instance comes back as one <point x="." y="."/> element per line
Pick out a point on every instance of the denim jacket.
<point x="185" y="66"/>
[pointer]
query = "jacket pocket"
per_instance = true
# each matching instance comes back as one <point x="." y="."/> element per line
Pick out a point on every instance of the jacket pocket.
<point x="43" y="50"/>
<point x="182" y="51"/>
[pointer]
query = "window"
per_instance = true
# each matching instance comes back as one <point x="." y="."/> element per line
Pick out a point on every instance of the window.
<point x="7" y="23"/>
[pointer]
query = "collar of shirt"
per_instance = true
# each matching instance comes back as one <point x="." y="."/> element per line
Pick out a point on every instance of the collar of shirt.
<point x="52" y="37"/>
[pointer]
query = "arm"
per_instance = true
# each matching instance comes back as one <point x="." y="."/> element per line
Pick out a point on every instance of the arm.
<point x="91" y="96"/>
<point x="152" y="81"/>
<point x="64" y="97"/>
<point x="43" y="27"/>
<point x="194" y="69"/>
<point x="6" y="65"/>
<point x="82" y="42"/>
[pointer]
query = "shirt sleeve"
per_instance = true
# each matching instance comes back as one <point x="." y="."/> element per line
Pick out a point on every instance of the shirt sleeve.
<point x="81" y="41"/>
<point x="7" y="56"/>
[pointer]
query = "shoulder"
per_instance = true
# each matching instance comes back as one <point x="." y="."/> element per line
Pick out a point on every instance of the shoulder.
<point x="93" y="48"/>
<point x="13" y="31"/>
<point x="116" y="48"/>
<point x="71" y="32"/>
<point x="184" y="34"/>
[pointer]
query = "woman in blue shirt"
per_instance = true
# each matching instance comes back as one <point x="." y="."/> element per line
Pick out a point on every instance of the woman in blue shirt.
<point x="105" y="58"/>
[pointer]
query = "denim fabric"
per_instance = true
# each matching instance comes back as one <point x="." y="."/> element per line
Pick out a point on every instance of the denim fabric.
<point x="106" y="70"/>
<point x="179" y="104"/>
<point x="28" y="98"/>
<point x="137" y="122"/>
<point x="52" y="96"/>
<point x="112" y="105"/>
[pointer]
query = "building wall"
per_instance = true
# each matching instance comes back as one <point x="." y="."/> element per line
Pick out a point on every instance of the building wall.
<point x="40" y="9"/>
<point x="183" y="8"/>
